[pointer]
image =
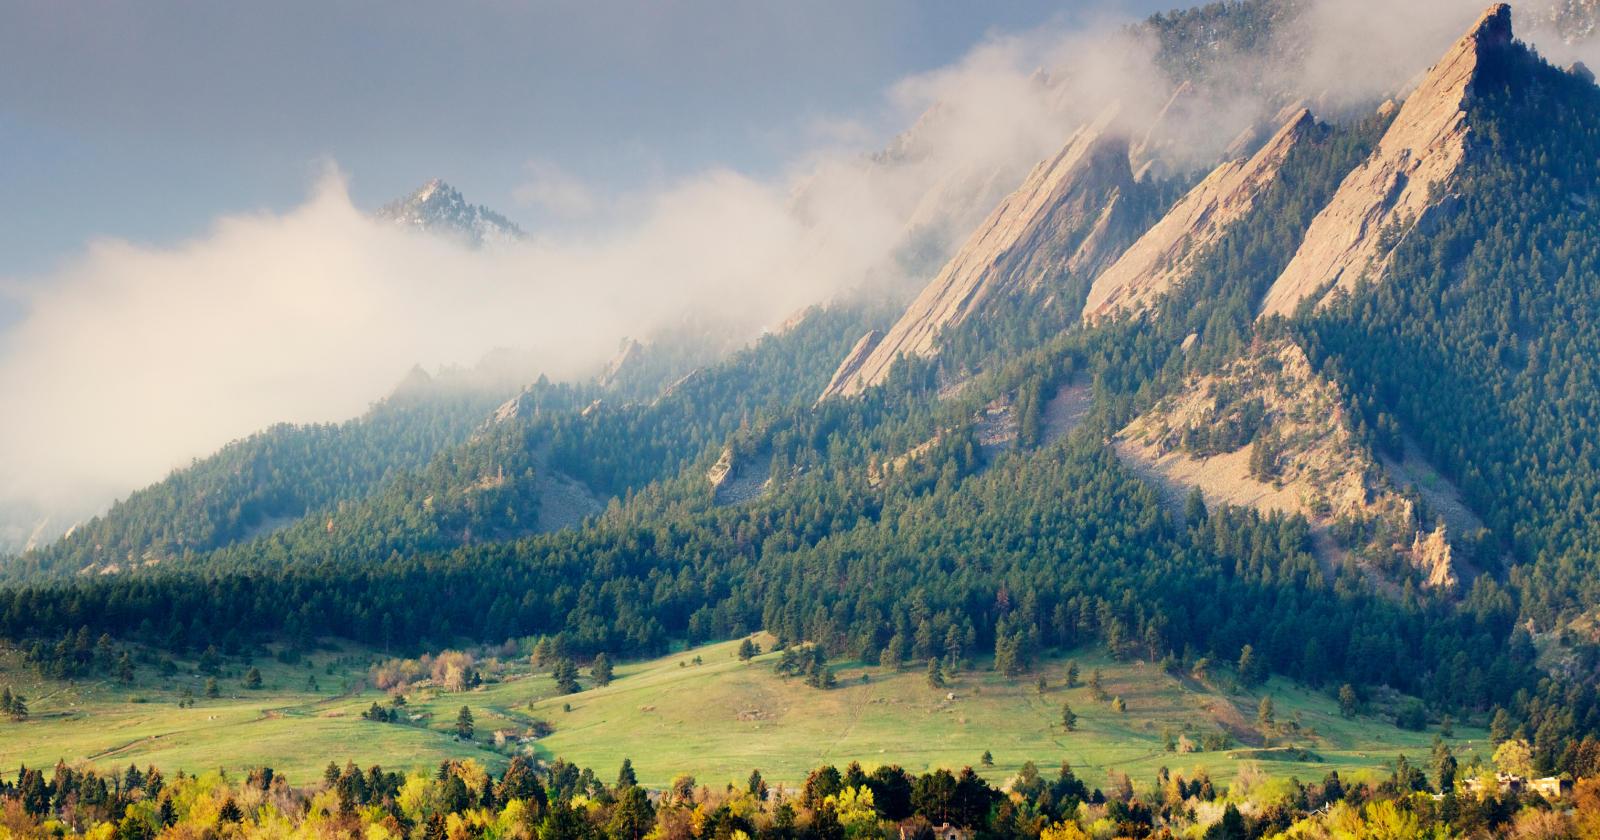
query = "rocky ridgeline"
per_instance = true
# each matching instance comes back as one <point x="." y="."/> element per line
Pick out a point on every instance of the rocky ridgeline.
<point x="1408" y="177"/>
<point x="1166" y="253"/>
<point x="1079" y="196"/>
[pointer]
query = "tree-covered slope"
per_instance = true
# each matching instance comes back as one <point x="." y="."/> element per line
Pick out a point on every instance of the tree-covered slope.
<point x="1483" y="342"/>
<point x="266" y="481"/>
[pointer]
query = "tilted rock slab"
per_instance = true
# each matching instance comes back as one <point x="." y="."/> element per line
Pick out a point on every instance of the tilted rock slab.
<point x="1166" y="253"/>
<point x="1069" y="215"/>
<point x="853" y="362"/>
<point x="1424" y="146"/>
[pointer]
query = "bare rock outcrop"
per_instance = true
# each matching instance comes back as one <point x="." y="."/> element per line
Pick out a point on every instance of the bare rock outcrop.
<point x="1431" y="554"/>
<point x="519" y="406"/>
<point x="628" y="355"/>
<point x="1166" y="253"/>
<point x="1069" y="215"/>
<point x="1264" y="431"/>
<point x="853" y="362"/>
<point x="1414" y="165"/>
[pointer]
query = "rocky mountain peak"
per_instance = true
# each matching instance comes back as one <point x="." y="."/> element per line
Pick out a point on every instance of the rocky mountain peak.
<point x="1078" y="196"/>
<point x="437" y="207"/>
<point x="1409" y="173"/>
<point x="1166" y="253"/>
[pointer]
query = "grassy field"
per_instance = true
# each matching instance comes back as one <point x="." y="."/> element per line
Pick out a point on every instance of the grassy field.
<point x="715" y="720"/>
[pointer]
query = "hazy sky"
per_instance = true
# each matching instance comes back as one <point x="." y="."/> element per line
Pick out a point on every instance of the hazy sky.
<point x="146" y="119"/>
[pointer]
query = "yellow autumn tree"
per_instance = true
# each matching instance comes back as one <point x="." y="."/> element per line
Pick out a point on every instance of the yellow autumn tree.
<point x="1063" y="831"/>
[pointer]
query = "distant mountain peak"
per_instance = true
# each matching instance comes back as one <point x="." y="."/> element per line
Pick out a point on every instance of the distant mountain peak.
<point x="437" y="207"/>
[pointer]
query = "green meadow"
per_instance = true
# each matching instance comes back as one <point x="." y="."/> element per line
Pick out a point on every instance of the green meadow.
<point x="705" y="713"/>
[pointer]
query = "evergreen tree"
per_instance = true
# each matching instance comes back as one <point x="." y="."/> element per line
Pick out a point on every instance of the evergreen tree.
<point x="1266" y="720"/>
<point x="747" y="650"/>
<point x="1249" y="667"/>
<point x="125" y="669"/>
<point x="566" y="674"/>
<point x="18" y="711"/>
<point x="922" y="646"/>
<point x="1444" y="768"/>
<point x="1347" y="701"/>
<point x="1447" y="727"/>
<point x="601" y="670"/>
<point x="954" y="644"/>
<point x="464" y="724"/>
<point x="625" y="777"/>
<point x="987" y="760"/>
<point x="168" y="813"/>
<point x="935" y="674"/>
<point x="212" y="692"/>
<point x="757" y="787"/>
<point x="633" y="816"/>
<point x="1194" y="510"/>
<point x="1069" y="718"/>
<point x="893" y="657"/>
<point x="330" y="776"/>
<point x="5" y="701"/>
<point x="1071" y="673"/>
<point x="1097" y="691"/>
<point x="1500" y="727"/>
<point x="252" y="679"/>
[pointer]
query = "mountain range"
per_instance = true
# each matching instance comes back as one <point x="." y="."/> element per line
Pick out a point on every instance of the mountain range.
<point x="1324" y="396"/>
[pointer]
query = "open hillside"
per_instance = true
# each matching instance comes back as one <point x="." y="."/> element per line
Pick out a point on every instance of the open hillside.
<point x="707" y="713"/>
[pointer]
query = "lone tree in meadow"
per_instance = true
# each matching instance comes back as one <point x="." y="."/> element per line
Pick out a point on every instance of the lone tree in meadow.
<point x="748" y="650"/>
<point x="1347" y="701"/>
<point x="987" y="759"/>
<point x="935" y="675"/>
<point x="601" y="670"/>
<point x="252" y="680"/>
<point x="13" y="706"/>
<point x="1069" y="719"/>
<point x="566" y="675"/>
<point x="212" y="692"/>
<point x="1072" y="673"/>
<point x="1097" y="690"/>
<point x="1266" y="720"/>
<point x="464" y="724"/>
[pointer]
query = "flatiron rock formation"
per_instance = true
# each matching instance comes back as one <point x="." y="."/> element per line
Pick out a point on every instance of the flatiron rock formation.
<point x="1413" y="167"/>
<point x="1069" y="215"/>
<point x="1166" y="253"/>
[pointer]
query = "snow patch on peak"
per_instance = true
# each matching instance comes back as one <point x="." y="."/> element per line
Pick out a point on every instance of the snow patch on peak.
<point x="437" y="207"/>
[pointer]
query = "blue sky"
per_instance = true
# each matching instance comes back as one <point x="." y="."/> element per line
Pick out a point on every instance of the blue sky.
<point x="147" y="119"/>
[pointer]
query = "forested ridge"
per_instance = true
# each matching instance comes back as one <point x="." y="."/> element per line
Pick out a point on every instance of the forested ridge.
<point x="276" y="475"/>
